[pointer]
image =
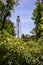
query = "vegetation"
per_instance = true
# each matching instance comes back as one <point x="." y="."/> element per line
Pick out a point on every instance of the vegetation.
<point x="24" y="51"/>
<point x="8" y="26"/>
<point x="37" y="16"/>
<point x="6" y="7"/>
<point x="15" y="51"/>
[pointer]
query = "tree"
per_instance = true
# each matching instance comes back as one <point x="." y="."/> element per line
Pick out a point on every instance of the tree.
<point x="8" y="26"/>
<point x="25" y="37"/>
<point x="37" y="15"/>
<point x="6" y="6"/>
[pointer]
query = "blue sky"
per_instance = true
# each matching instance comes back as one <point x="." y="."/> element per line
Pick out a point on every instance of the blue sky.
<point x="24" y="10"/>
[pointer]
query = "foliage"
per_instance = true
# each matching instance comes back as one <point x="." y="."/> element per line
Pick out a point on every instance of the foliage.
<point x="8" y="26"/>
<point x="15" y="51"/>
<point x="6" y="7"/>
<point x="27" y="37"/>
<point x="37" y="16"/>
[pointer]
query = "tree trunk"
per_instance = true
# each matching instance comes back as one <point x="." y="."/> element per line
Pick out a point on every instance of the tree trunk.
<point x="3" y="22"/>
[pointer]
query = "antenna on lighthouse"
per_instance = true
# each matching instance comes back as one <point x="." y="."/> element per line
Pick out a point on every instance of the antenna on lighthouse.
<point x="18" y="26"/>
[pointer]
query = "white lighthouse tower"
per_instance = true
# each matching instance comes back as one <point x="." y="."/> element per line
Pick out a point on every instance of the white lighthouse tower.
<point x="18" y="26"/>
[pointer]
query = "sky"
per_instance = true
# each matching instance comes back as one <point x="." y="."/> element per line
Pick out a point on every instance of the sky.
<point x="24" y="10"/>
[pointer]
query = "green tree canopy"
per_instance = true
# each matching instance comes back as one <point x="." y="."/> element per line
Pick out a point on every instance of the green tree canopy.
<point x="6" y="6"/>
<point x="37" y="16"/>
<point x="8" y="26"/>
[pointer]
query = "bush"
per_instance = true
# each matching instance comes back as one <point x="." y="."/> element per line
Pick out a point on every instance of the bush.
<point x="14" y="51"/>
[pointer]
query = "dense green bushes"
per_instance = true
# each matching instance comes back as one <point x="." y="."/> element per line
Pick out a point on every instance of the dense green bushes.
<point x="14" y="51"/>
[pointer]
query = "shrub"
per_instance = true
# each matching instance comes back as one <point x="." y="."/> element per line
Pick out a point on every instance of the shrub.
<point x="15" y="51"/>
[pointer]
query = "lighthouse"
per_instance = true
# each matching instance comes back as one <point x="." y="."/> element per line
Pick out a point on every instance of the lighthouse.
<point x="18" y="26"/>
